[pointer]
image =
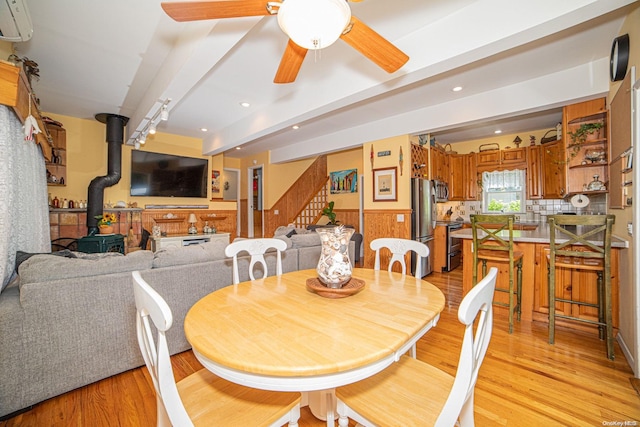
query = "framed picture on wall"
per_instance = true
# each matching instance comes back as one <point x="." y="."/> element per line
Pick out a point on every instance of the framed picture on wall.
<point x="385" y="184"/>
<point x="345" y="181"/>
<point x="215" y="184"/>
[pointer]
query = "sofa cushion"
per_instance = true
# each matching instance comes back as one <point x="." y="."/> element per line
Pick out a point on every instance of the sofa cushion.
<point x="42" y="268"/>
<point x="305" y="240"/>
<point x="285" y="239"/>
<point x="174" y="255"/>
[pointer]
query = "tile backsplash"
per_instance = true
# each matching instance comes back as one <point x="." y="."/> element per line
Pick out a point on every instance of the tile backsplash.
<point x="535" y="210"/>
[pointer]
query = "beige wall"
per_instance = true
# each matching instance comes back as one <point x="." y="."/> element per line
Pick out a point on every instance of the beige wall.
<point x="629" y="329"/>
<point x="403" y="180"/>
<point x="87" y="158"/>
<point x="6" y="49"/>
<point x="350" y="159"/>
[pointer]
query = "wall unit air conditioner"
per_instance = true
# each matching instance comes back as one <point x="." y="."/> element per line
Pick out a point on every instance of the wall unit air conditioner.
<point x="15" y="21"/>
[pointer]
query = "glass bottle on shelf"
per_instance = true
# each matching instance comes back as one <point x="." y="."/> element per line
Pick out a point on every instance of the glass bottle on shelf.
<point x="206" y="229"/>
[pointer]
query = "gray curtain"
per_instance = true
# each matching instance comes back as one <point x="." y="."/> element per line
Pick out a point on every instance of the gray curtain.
<point x="24" y="212"/>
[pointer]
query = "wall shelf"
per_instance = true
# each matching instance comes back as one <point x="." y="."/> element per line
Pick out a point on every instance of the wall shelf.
<point x="168" y="220"/>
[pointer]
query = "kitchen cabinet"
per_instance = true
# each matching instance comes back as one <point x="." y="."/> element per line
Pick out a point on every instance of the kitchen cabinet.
<point x="534" y="172"/>
<point x="457" y="177"/>
<point x="463" y="177"/>
<point x="487" y="159"/>
<point x="57" y="167"/>
<point x="554" y="170"/>
<point x="571" y="284"/>
<point x="439" y="260"/>
<point x="587" y="149"/>
<point x="514" y="157"/>
<point x="419" y="161"/>
<point x="471" y="177"/>
<point x="535" y="294"/>
<point x="439" y="164"/>
<point x="510" y="158"/>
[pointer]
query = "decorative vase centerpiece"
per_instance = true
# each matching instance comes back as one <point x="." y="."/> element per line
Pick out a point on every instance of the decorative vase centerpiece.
<point x="334" y="266"/>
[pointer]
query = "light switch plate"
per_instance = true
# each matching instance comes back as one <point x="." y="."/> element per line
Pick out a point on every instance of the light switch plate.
<point x="400" y="217"/>
<point x="630" y="228"/>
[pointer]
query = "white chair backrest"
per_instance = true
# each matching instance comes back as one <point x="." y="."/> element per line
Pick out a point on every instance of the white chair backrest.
<point x="398" y="248"/>
<point x="476" y="304"/>
<point x="150" y="305"/>
<point x="256" y="248"/>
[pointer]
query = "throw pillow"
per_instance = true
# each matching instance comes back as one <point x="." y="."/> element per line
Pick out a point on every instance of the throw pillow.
<point x="23" y="256"/>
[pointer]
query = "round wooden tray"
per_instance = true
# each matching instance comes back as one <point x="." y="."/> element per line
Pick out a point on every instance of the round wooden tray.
<point x="352" y="287"/>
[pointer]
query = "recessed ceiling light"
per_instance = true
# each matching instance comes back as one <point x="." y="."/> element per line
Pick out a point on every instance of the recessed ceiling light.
<point x="245" y="104"/>
<point x="457" y="89"/>
<point x="204" y="129"/>
<point x="238" y="148"/>
<point x="497" y="131"/>
<point x="295" y="127"/>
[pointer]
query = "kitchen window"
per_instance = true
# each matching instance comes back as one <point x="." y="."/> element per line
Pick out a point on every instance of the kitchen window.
<point x="503" y="191"/>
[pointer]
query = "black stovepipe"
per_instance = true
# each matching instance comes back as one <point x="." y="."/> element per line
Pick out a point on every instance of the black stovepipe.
<point x="95" y="197"/>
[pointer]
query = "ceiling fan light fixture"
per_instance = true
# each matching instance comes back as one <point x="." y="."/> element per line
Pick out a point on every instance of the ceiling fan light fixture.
<point x="314" y="24"/>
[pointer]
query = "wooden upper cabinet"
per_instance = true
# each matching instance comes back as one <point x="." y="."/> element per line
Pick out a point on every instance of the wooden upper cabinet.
<point x="534" y="172"/>
<point x="463" y="177"/>
<point x="514" y="157"/>
<point x="588" y="155"/>
<point x="439" y="164"/>
<point x="554" y="170"/>
<point x="457" y="176"/>
<point x="488" y="158"/>
<point x="471" y="176"/>
<point x="582" y="109"/>
<point x="510" y="158"/>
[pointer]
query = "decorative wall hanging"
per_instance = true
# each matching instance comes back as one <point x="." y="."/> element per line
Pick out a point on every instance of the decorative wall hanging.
<point x="215" y="183"/>
<point x="345" y="181"/>
<point x="385" y="184"/>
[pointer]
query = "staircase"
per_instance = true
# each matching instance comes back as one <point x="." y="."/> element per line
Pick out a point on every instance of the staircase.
<point x="303" y="202"/>
<point x="312" y="211"/>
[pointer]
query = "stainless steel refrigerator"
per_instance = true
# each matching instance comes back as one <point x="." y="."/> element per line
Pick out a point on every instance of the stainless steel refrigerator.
<point x="423" y="219"/>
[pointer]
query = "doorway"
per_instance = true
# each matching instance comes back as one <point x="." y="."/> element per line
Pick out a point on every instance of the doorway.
<point x="255" y="214"/>
<point x="231" y="192"/>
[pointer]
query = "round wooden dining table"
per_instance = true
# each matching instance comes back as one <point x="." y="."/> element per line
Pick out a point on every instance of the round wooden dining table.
<point x="276" y="334"/>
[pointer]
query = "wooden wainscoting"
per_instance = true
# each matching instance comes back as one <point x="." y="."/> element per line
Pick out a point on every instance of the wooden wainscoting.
<point x="224" y="220"/>
<point x="384" y="223"/>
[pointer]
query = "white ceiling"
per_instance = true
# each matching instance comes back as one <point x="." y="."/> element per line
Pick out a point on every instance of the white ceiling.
<point x="518" y="61"/>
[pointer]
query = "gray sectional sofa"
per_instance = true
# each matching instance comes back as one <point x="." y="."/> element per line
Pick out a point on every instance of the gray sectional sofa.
<point x="68" y="322"/>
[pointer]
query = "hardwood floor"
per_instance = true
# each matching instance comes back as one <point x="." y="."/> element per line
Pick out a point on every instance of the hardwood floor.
<point x="524" y="381"/>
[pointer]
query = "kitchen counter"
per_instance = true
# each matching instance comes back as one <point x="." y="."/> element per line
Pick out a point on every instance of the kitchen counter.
<point x="534" y="244"/>
<point x="539" y="235"/>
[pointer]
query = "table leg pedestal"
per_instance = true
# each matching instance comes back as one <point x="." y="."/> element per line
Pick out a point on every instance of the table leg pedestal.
<point x="321" y="403"/>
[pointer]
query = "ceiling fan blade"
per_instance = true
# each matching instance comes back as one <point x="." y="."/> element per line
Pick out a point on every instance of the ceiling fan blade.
<point x="290" y="63"/>
<point x="200" y="10"/>
<point x="375" y="47"/>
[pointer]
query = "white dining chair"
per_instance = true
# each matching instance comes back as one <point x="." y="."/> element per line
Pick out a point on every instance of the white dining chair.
<point x="399" y="248"/>
<point x="201" y="398"/>
<point x="413" y="393"/>
<point x="256" y="249"/>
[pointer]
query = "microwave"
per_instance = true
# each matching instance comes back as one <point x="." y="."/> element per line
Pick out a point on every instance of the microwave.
<point x="442" y="191"/>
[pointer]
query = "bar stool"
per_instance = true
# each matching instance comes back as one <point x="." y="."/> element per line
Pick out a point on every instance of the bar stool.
<point x="492" y="245"/>
<point x="582" y="242"/>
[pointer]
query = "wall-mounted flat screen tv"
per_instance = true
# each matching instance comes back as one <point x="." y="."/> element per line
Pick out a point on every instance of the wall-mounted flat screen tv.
<point x="166" y="175"/>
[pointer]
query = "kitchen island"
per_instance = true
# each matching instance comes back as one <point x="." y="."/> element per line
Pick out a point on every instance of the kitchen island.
<point x="534" y="244"/>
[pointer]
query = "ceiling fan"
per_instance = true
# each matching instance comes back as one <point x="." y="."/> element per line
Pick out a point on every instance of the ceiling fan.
<point x="310" y="25"/>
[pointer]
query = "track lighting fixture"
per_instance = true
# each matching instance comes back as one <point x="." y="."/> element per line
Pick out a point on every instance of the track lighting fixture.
<point x="150" y="127"/>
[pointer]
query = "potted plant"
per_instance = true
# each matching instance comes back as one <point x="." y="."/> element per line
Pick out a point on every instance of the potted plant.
<point x="329" y="213"/>
<point x="580" y="135"/>
<point x="105" y="222"/>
